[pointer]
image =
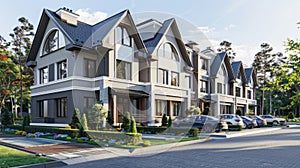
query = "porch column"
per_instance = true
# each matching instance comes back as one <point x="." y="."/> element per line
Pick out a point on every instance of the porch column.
<point x="114" y="109"/>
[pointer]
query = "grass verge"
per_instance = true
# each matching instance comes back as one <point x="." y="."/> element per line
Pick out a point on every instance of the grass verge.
<point x="11" y="157"/>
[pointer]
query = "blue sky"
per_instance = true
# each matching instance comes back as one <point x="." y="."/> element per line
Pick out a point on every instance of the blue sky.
<point x="246" y="23"/>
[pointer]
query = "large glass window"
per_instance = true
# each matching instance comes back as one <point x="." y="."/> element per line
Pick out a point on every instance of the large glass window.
<point x="51" y="43"/>
<point x="62" y="69"/>
<point x="203" y="86"/>
<point x="204" y="64"/>
<point x="162" y="76"/>
<point x="161" y="107"/>
<point x="176" y="108"/>
<point x="174" y="79"/>
<point x="43" y="108"/>
<point x="219" y="88"/>
<point x="238" y="91"/>
<point x="62" y="107"/>
<point x="122" y="36"/>
<point x="89" y="68"/>
<point x="123" y="70"/>
<point x="168" y="51"/>
<point x="44" y="74"/>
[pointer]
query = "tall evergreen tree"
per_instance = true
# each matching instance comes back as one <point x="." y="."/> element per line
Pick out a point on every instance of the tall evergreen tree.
<point x="225" y="46"/>
<point x="75" y="122"/>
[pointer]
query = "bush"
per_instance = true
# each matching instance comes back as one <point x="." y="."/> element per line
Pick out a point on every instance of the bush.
<point x="147" y="143"/>
<point x="6" y="118"/>
<point x="150" y="130"/>
<point x="71" y="132"/>
<point x="194" y="132"/>
<point x="164" y="120"/>
<point x="132" y="128"/>
<point x="75" y="122"/>
<point x="170" y="122"/>
<point x="172" y="130"/>
<point x="291" y="115"/>
<point x="84" y="122"/>
<point x="128" y="138"/>
<point x="126" y="121"/>
<point x="235" y="127"/>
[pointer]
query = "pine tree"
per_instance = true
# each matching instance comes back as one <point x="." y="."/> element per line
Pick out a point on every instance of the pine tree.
<point x="126" y="121"/>
<point x="225" y="46"/>
<point x="164" y="120"/>
<point x="75" y="122"/>
<point x="170" y="122"/>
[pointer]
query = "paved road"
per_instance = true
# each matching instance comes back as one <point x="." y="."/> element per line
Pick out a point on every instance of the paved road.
<point x="275" y="149"/>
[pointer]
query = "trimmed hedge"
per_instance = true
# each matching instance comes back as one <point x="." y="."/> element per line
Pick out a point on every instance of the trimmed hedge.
<point x="128" y="138"/>
<point x="171" y="130"/>
<point x="32" y="129"/>
<point x="235" y="127"/>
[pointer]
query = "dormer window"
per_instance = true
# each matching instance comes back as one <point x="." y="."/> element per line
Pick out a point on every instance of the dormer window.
<point x="122" y="36"/>
<point x="168" y="51"/>
<point x="52" y="43"/>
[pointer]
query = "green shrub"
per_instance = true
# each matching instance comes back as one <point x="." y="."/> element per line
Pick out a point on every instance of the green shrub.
<point x="150" y="130"/>
<point x="26" y="121"/>
<point x="235" y="127"/>
<point x="6" y="117"/>
<point x="75" y="122"/>
<point x="126" y="121"/>
<point x="132" y="128"/>
<point x="291" y="115"/>
<point x="194" y="132"/>
<point x="164" y="120"/>
<point x="170" y="122"/>
<point x="128" y="138"/>
<point x="34" y="129"/>
<point x="84" y="122"/>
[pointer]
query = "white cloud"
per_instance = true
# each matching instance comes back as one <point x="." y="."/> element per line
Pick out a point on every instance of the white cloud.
<point x="206" y="29"/>
<point x="230" y="26"/>
<point x="90" y="18"/>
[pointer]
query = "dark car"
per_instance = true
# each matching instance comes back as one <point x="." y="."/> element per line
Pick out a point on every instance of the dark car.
<point x="203" y="122"/>
<point x="249" y="122"/>
<point x="260" y="121"/>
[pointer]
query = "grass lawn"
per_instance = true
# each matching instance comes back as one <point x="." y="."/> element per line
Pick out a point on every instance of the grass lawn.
<point x="11" y="157"/>
<point x="161" y="142"/>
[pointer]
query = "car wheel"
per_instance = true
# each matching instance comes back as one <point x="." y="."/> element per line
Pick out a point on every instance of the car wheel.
<point x="275" y="123"/>
<point x="249" y="126"/>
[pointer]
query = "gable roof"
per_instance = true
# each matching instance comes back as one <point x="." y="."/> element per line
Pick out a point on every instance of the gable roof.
<point x="217" y="62"/>
<point x="237" y="68"/>
<point x="82" y="35"/>
<point x="153" y="43"/>
<point x="250" y="73"/>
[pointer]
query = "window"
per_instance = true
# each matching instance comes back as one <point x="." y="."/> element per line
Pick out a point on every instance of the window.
<point x="51" y="44"/>
<point x="168" y="51"/>
<point x="123" y="70"/>
<point x="162" y="76"/>
<point x="44" y="73"/>
<point x="89" y="68"/>
<point x="219" y="88"/>
<point x="174" y="79"/>
<point x="62" y="69"/>
<point x="188" y="82"/>
<point x="88" y="102"/>
<point x="222" y="71"/>
<point x="204" y="64"/>
<point x="161" y="107"/>
<point x="62" y="107"/>
<point x="203" y="86"/>
<point x="249" y="94"/>
<point x="176" y="108"/>
<point x="122" y="36"/>
<point x="238" y="91"/>
<point x="43" y="108"/>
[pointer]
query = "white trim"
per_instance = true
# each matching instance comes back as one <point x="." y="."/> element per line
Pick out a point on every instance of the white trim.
<point x="49" y="125"/>
<point x="64" y="89"/>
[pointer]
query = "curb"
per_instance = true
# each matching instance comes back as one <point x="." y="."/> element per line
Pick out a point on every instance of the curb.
<point x="243" y="133"/>
<point x="45" y="164"/>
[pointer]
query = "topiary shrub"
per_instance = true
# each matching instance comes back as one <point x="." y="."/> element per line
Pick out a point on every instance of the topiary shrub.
<point x="75" y="122"/>
<point x="132" y="128"/>
<point x="170" y="122"/>
<point x="26" y="121"/>
<point x="6" y="118"/>
<point x="84" y="122"/>
<point x="126" y="122"/>
<point x="291" y="115"/>
<point x="164" y="120"/>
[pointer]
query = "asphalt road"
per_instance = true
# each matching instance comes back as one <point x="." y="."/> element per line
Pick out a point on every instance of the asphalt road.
<point x="280" y="148"/>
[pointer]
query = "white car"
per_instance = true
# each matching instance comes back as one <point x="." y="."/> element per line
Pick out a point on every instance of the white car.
<point x="231" y="119"/>
<point x="274" y="120"/>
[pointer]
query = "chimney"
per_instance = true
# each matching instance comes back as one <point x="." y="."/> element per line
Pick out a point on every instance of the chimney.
<point x="68" y="16"/>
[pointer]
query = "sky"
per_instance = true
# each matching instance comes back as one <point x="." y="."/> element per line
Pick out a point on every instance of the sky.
<point x="245" y="23"/>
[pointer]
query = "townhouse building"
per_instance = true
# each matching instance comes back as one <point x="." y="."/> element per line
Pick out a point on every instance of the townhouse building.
<point x="145" y="69"/>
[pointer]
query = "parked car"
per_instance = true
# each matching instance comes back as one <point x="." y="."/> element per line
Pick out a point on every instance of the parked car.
<point x="260" y="121"/>
<point x="249" y="122"/>
<point x="203" y="122"/>
<point x="274" y="120"/>
<point x="231" y="119"/>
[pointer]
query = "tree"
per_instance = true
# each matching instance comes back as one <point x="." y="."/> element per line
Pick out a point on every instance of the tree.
<point x="6" y="118"/>
<point x="75" y="122"/>
<point x="21" y="44"/>
<point x="26" y="121"/>
<point x="264" y="64"/>
<point x="225" y="46"/>
<point x="132" y="127"/>
<point x="193" y="111"/>
<point x="84" y="122"/>
<point x="126" y="121"/>
<point x="97" y="116"/>
<point x="170" y="122"/>
<point x="164" y="120"/>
